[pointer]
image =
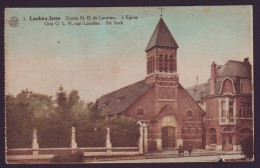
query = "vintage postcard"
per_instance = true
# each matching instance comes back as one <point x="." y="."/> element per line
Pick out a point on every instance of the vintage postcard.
<point x="129" y="84"/>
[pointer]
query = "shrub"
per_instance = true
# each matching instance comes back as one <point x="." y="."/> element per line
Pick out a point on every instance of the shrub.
<point x="53" y="133"/>
<point x="91" y="135"/>
<point x="68" y="157"/>
<point x="124" y="132"/>
<point x="247" y="146"/>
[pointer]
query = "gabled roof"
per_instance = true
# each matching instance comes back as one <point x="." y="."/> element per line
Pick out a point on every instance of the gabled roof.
<point x="160" y="112"/>
<point x="235" y="68"/>
<point x="186" y="92"/>
<point x="161" y="37"/>
<point x="119" y="100"/>
<point x="198" y="91"/>
<point x="166" y="106"/>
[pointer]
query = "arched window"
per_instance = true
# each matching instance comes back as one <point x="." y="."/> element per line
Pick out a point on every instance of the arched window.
<point x="152" y="66"/>
<point x="160" y="63"/>
<point x="183" y="130"/>
<point x="213" y="136"/>
<point x="171" y="58"/>
<point x="166" y="63"/>
<point x="171" y="63"/>
<point x="139" y="111"/>
<point x="149" y="64"/>
<point x="245" y="86"/>
<point x="189" y="130"/>
<point x="174" y="64"/>
<point x="196" y="130"/>
<point x="189" y="113"/>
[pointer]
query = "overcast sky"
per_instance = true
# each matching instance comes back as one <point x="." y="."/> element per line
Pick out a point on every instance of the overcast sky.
<point x="98" y="59"/>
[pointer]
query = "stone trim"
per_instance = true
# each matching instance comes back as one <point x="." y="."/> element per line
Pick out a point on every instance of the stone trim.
<point x="227" y="78"/>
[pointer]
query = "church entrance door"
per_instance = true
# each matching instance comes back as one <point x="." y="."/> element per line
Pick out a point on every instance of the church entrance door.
<point x="169" y="125"/>
<point x="168" y="137"/>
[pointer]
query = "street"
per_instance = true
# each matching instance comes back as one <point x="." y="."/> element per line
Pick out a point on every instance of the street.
<point x="214" y="158"/>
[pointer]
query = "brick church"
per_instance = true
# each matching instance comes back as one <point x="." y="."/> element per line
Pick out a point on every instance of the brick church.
<point x="160" y="101"/>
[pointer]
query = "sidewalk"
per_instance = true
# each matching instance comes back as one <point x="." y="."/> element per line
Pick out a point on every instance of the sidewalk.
<point x="195" y="153"/>
<point x="168" y="154"/>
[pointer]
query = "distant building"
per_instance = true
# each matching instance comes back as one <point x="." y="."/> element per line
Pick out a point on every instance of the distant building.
<point x="197" y="92"/>
<point x="227" y="98"/>
<point x="172" y="116"/>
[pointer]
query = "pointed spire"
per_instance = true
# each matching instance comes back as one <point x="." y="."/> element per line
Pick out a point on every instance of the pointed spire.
<point x="161" y="37"/>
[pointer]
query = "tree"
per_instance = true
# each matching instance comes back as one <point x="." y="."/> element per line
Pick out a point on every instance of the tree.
<point x="70" y="111"/>
<point x="62" y="103"/>
<point x="23" y="113"/>
<point x="55" y="130"/>
<point x="41" y="105"/>
<point x="77" y="107"/>
<point x="247" y="146"/>
<point x="53" y="119"/>
<point x="94" y="111"/>
<point x="19" y="122"/>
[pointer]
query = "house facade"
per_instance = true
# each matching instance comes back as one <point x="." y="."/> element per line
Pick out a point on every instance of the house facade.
<point x="229" y="105"/>
<point x="160" y="101"/>
<point x="227" y="101"/>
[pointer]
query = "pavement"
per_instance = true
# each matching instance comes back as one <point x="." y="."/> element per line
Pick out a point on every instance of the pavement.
<point x="214" y="158"/>
<point x="197" y="155"/>
<point x="166" y="156"/>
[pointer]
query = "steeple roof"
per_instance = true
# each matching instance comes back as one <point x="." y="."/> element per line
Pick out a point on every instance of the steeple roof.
<point x="161" y="37"/>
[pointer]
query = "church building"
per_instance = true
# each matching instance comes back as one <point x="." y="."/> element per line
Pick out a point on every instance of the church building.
<point x="159" y="100"/>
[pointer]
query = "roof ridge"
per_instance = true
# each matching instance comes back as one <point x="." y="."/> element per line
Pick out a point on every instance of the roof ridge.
<point x="159" y="24"/>
<point x="234" y="68"/>
<point x="187" y="93"/>
<point x="235" y="61"/>
<point x="121" y="88"/>
<point x="132" y="93"/>
<point x="197" y="85"/>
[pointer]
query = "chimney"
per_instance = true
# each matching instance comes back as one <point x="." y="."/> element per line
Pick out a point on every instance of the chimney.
<point x="214" y="69"/>
<point x="195" y="90"/>
<point x="246" y="60"/>
<point x="219" y="66"/>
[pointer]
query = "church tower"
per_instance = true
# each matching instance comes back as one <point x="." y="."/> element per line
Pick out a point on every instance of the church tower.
<point x="161" y="54"/>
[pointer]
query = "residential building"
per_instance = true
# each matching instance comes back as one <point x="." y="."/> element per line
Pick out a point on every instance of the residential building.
<point x="227" y="97"/>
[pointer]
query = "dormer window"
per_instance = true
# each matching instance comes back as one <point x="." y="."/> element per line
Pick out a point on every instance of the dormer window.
<point x="120" y="99"/>
<point x="106" y="103"/>
<point x="245" y="86"/>
<point x="227" y="86"/>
